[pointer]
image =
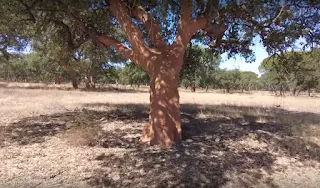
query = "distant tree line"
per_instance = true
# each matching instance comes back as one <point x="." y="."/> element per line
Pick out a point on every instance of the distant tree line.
<point x="291" y="72"/>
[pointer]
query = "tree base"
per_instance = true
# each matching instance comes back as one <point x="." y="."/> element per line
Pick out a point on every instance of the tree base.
<point x="151" y="137"/>
<point x="147" y="134"/>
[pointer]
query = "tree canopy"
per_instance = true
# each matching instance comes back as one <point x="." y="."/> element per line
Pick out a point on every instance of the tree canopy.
<point x="226" y="26"/>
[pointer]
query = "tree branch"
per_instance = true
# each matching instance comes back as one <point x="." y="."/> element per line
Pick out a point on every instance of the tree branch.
<point x="119" y="10"/>
<point x="186" y="8"/>
<point x="120" y="47"/>
<point x="184" y="35"/>
<point x="277" y="17"/>
<point x="150" y="24"/>
<point x="67" y="30"/>
<point x="121" y="13"/>
<point x="187" y="29"/>
<point x="28" y="9"/>
<point x="5" y="54"/>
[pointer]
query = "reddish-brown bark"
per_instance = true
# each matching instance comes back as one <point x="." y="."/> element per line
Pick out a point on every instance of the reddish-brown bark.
<point x="163" y="64"/>
<point x="164" y="126"/>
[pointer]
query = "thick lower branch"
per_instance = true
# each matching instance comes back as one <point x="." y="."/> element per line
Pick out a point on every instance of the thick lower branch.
<point x="120" y="47"/>
<point x="120" y="11"/>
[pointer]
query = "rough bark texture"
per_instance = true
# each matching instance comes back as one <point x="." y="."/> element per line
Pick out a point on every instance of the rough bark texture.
<point x="164" y="127"/>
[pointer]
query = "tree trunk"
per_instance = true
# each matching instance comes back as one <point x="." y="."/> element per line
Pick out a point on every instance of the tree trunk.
<point x="164" y="127"/>
<point x="93" y="82"/>
<point x="58" y="79"/>
<point x="89" y="81"/>
<point x="193" y="88"/>
<point x="72" y="75"/>
<point x="310" y="92"/>
<point x="86" y="81"/>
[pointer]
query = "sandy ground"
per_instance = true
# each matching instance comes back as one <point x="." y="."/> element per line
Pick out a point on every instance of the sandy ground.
<point x="53" y="138"/>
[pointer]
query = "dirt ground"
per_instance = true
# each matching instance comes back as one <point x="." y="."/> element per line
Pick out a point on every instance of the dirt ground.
<point x="55" y="138"/>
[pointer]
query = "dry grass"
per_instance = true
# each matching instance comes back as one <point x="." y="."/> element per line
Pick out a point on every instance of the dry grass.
<point x="57" y="138"/>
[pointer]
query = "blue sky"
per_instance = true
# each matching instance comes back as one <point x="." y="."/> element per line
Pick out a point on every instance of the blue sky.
<point x="260" y="54"/>
<point x="239" y="62"/>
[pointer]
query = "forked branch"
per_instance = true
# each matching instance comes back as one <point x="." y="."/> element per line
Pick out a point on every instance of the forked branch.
<point x="150" y="24"/>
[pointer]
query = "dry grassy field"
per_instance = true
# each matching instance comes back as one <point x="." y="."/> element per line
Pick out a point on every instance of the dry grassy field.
<point x="58" y="138"/>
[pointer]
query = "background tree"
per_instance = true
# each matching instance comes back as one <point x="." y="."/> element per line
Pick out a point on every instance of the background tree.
<point x="269" y="81"/>
<point x="92" y="63"/>
<point x="29" y="68"/>
<point x="133" y="75"/>
<point x="298" y="70"/>
<point x="248" y="80"/>
<point x="158" y="33"/>
<point x="229" y="79"/>
<point x="198" y="68"/>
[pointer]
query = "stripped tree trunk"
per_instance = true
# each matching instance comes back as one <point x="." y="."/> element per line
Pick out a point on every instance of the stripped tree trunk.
<point x="164" y="127"/>
<point x="163" y="63"/>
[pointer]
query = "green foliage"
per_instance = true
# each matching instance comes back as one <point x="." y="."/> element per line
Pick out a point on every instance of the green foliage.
<point x="68" y="24"/>
<point x="229" y="79"/>
<point x="133" y="75"/>
<point x="248" y="80"/>
<point x="60" y="30"/>
<point x="293" y="71"/>
<point x="199" y="68"/>
<point x="29" y="68"/>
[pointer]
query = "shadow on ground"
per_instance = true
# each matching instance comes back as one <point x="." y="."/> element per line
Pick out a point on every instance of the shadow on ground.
<point x="222" y="144"/>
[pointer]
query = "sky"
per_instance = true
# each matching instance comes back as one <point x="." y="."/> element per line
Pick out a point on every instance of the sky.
<point x="239" y="62"/>
<point x="260" y="54"/>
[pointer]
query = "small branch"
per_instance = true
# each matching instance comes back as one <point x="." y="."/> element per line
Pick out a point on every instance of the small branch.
<point x="5" y="54"/>
<point x="67" y="29"/>
<point x="199" y="23"/>
<point x="28" y="9"/>
<point x="187" y="28"/>
<point x="120" y="47"/>
<point x="277" y="17"/>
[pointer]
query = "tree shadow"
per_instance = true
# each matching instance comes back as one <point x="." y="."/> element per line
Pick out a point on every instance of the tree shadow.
<point x="219" y="142"/>
<point x="115" y="89"/>
<point x="208" y="153"/>
<point x="36" y="129"/>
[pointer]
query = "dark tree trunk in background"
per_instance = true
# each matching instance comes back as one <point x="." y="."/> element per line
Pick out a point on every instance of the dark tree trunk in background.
<point x="58" y="79"/>
<point x="72" y="75"/>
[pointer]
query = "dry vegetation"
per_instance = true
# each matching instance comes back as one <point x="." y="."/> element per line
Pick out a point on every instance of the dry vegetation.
<point x="55" y="138"/>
